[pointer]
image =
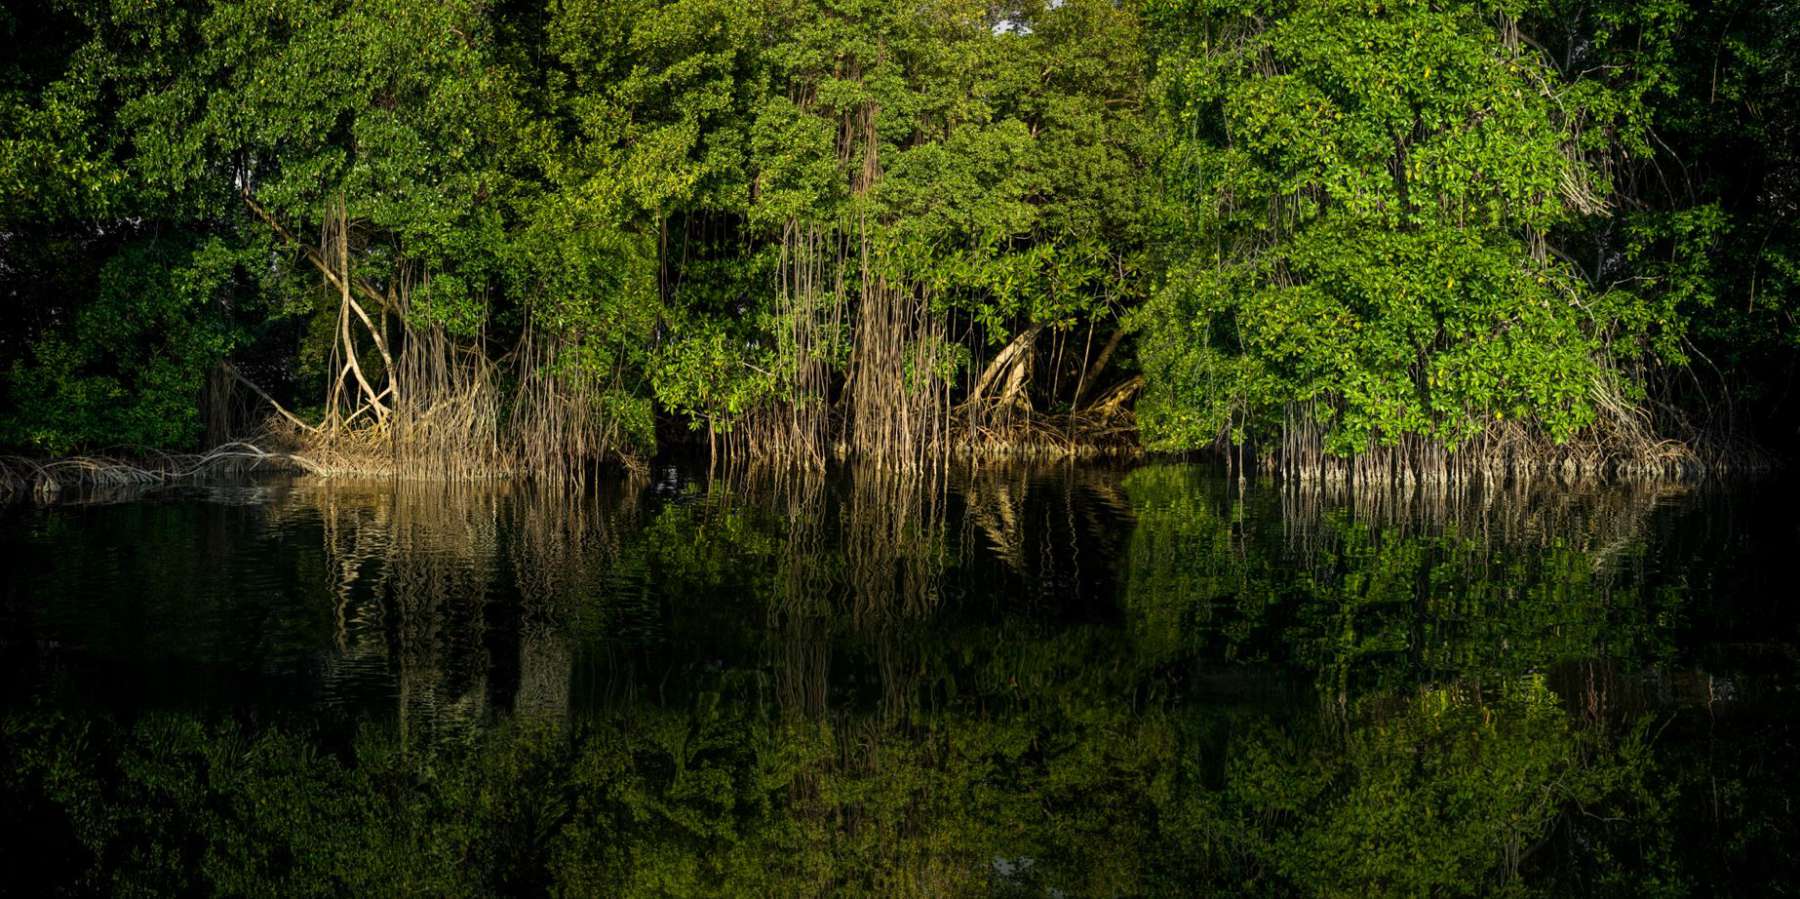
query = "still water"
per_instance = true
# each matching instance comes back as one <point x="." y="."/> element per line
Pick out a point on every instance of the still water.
<point x="1074" y="682"/>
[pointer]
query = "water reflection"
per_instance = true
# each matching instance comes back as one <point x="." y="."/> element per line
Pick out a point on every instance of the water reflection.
<point x="1087" y="681"/>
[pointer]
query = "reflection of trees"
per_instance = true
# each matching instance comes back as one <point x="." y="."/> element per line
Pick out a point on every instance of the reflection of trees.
<point x="445" y="548"/>
<point x="1391" y="592"/>
<point x="1060" y="770"/>
<point x="414" y="569"/>
<point x="783" y="684"/>
<point x="857" y="564"/>
<point x="1465" y="650"/>
<point x="558" y="545"/>
<point x="410" y="566"/>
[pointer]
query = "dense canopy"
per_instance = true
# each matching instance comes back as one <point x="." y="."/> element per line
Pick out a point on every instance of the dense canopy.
<point x="514" y="236"/>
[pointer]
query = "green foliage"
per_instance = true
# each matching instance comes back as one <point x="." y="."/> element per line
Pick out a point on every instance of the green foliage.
<point x="1417" y="220"/>
<point x="1718" y="222"/>
<point x="128" y="371"/>
<point x="616" y="181"/>
<point x="1369" y="196"/>
<point x="1016" y="196"/>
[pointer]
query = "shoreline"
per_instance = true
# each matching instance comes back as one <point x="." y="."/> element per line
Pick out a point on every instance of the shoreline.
<point x="45" y="478"/>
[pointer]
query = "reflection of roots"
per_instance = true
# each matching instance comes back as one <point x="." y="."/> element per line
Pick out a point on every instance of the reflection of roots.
<point x="445" y="557"/>
<point x="880" y="568"/>
<point x="802" y="607"/>
<point x="410" y="566"/>
<point x="894" y="544"/>
<point x="1602" y="520"/>
<point x="995" y="504"/>
<point x="546" y="664"/>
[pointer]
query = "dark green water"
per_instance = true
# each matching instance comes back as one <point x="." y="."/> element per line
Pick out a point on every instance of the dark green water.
<point x="1090" y="682"/>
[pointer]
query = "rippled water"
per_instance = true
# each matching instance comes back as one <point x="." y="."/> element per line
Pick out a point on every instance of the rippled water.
<point x="1087" y="681"/>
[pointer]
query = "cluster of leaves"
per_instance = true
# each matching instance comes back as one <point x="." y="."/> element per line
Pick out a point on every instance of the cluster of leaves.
<point x="1715" y="210"/>
<point x="618" y="179"/>
<point x="1416" y="219"/>
<point x="129" y="369"/>
<point x="1366" y="191"/>
<point x="1372" y="200"/>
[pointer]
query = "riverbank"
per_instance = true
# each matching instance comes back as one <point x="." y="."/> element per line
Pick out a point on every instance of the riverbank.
<point x="1411" y="469"/>
<point x="373" y="452"/>
<point x="1503" y="454"/>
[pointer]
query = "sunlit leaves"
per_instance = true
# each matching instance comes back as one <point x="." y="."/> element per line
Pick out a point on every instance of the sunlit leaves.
<point x="1372" y="186"/>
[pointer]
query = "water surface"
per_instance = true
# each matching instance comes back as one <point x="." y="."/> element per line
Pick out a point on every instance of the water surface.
<point x="1087" y="681"/>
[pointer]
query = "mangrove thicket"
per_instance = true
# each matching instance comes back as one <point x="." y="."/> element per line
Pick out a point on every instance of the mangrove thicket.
<point x="1393" y="238"/>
